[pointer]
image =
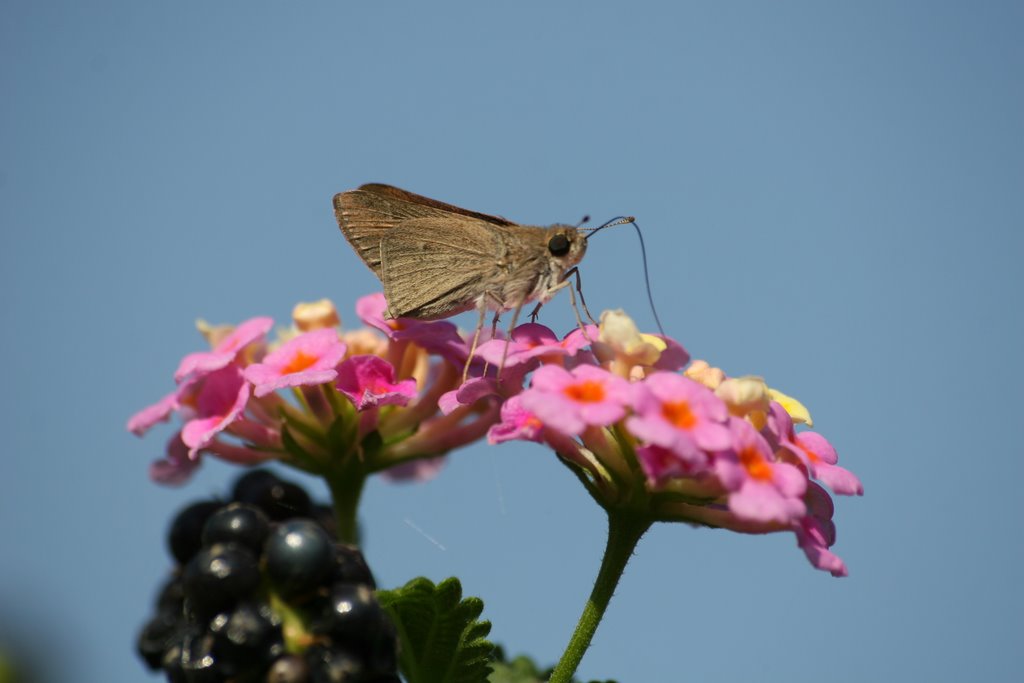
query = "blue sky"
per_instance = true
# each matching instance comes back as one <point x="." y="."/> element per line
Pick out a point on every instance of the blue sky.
<point x="831" y="196"/>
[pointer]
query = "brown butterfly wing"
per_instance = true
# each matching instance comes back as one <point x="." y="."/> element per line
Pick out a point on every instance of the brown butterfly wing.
<point x="366" y="214"/>
<point x="432" y="268"/>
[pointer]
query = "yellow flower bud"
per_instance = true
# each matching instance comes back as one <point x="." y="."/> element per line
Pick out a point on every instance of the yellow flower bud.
<point x="315" y="315"/>
<point x="795" y="408"/>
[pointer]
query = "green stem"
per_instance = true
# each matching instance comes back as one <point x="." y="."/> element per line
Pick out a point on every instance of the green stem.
<point x="346" y="486"/>
<point x="624" y="531"/>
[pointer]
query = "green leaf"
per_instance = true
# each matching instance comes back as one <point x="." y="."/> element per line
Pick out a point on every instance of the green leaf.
<point x="441" y="640"/>
<point x="522" y="669"/>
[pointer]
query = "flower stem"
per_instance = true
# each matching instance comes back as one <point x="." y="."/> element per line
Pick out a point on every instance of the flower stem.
<point x="346" y="488"/>
<point x="624" y="531"/>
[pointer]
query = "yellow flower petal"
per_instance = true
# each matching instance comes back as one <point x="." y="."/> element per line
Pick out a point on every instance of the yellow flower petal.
<point x="795" y="408"/>
<point x="744" y="395"/>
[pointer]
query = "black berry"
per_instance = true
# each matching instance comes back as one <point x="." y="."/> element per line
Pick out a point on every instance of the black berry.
<point x="218" y="577"/>
<point x="246" y="639"/>
<point x="239" y="523"/>
<point x="185" y="536"/>
<point x="298" y="556"/>
<point x="278" y="498"/>
<point x="350" y="566"/>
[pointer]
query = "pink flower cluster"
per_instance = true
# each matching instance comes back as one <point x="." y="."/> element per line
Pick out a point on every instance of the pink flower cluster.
<point x="319" y="396"/>
<point x="695" y="447"/>
<point x="616" y="405"/>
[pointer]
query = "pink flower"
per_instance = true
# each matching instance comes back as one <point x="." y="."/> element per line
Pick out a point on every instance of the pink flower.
<point x="660" y="463"/>
<point x="307" y="359"/>
<point x="816" y="533"/>
<point x="820" y="457"/>
<point x="577" y="339"/>
<point x="471" y="391"/>
<point x="220" y="399"/>
<point x="676" y="413"/>
<point x="438" y="337"/>
<point x="813" y="450"/>
<point x="531" y="341"/>
<point x="516" y="423"/>
<point x="761" y="488"/>
<point x="372" y="308"/>
<point x="674" y="357"/>
<point x="570" y="401"/>
<point x="142" y="421"/>
<point x="177" y="466"/>
<point x="370" y="381"/>
<point x="203" y="362"/>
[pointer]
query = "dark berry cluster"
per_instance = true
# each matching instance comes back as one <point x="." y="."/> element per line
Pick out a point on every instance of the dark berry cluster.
<point x="263" y="592"/>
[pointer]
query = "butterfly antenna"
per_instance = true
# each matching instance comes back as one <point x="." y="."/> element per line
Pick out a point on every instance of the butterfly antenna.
<point x="622" y="220"/>
<point x="584" y="220"/>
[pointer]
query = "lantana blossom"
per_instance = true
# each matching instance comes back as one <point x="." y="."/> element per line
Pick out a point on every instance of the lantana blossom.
<point x="220" y="398"/>
<point x="308" y="359"/>
<point x="676" y="413"/>
<point x="516" y="423"/>
<point x="533" y="341"/>
<point x="369" y="381"/>
<point x="761" y="488"/>
<point x="231" y="404"/>
<point x="225" y="351"/>
<point x="814" y="451"/>
<point x="642" y="426"/>
<point x="710" y="448"/>
<point x="570" y="401"/>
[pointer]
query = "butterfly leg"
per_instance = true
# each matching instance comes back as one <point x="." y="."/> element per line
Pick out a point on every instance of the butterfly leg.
<point x="572" y="300"/>
<point x="535" y="312"/>
<point x="482" y="309"/>
<point x="494" y="331"/>
<point x="508" y="336"/>
<point x="579" y="288"/>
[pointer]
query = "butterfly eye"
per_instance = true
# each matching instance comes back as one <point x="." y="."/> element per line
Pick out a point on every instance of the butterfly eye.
<point x="558" y="245"/>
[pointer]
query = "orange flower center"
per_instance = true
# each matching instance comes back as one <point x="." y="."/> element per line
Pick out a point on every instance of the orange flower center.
<point x="810" y="456"/>
<point x="757" y="467"/>
<point x="299" y="362"/>
<point x="587" y="391"/>
<point x="678" y="413"/>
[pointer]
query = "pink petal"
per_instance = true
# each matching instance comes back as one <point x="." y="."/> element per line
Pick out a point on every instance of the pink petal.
<point x="576" y="341"/>
<point x="516" y="423"/>
<point x="818" y="446"/>
<point x="674" y="357"/>
<point x="815" y="545"/>
<point x="553" y="410"/>
<point x="142" y="421"/>
<point x="762" y="502"/>
<point x="226" y="351"/>
<point x="840" y="480"/>
<point x="221" y="400"/>
<point x="177" y="466"/>
<point x="368" y="381"/>
<point x="371" y="310"/>
<point x="467" y="394"/>
<point x="601" y="414"/>
<point x="711" y="436"/>
<point x="306" y="360"/>
<point x="551" y="378"/>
